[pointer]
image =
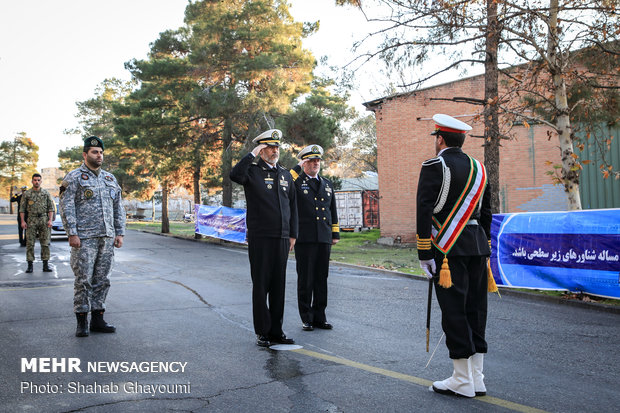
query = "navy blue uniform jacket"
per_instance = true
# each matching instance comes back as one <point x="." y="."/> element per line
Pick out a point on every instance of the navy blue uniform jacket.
<point x="318" y="216"/>
<point x="270" y="198"/>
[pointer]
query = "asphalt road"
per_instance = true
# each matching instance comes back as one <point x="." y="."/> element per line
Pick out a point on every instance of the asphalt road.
<point x="186" y="305"/>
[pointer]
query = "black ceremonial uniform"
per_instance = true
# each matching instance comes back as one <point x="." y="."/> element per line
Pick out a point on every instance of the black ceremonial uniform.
<point x="271" y="220"/>
<point x="318" y="226"/>
<point x="20" y="231"/>
<point x="464" y="305"/>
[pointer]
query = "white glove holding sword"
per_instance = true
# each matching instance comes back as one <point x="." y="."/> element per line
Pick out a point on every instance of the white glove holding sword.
<point x="429" y="268"/>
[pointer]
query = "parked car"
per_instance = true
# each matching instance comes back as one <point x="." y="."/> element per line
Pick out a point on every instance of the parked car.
<point x="58" y="230"/>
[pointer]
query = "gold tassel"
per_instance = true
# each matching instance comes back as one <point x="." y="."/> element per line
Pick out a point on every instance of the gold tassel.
<point x="445" y="280"/>
<point x="491" y="286"/>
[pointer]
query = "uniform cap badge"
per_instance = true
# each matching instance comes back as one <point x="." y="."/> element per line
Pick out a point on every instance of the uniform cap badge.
<point x="311" y="152"/>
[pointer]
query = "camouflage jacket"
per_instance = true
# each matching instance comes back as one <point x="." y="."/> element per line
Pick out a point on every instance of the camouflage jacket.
<point x="91" y="204"/>
<point x="36" y="203"/>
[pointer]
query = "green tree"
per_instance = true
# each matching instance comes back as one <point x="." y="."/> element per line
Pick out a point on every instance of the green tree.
<point x="317" y="118"/>
<point x="160" y="121"/>
<point x="251" y="63"/>
<point x="96" y="117"/>
<point x="18" y="161"/>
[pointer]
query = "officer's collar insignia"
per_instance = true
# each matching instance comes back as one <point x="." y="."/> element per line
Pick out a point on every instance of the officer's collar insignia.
<point x="85" y="177"/>
<point x="108" y="178"/>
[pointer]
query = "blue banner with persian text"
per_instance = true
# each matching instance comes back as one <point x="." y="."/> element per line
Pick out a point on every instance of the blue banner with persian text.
<point x="578" y="251"/>
<point x="221" y="222"/>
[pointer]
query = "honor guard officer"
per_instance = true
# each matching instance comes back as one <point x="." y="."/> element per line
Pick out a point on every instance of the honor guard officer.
<point x="36" y="211"/>
<point x="453" y="232"/>
<point x="94" y="218"/>
<point x="271" y="223"/>
<point x="318" y="230"/>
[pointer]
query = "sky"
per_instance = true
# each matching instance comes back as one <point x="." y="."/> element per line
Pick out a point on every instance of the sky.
<point x="55" y="53"/>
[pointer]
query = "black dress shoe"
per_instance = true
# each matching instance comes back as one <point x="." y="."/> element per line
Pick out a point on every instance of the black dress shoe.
<point x="324" y="325"/>
<point x="262" y="341"/>
<point x="281" y="339"/>
<point x="307" y="327"/>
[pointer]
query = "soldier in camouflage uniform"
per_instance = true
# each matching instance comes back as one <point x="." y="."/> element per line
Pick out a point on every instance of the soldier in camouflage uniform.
<point x="38" y="206"/>
<point x="94" y="218"/>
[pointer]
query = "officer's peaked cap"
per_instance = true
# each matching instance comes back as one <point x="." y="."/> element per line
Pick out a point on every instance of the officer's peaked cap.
<point x="446" y="123"/>
<point x="311" y="152"/>
<point x="271" y="137"/>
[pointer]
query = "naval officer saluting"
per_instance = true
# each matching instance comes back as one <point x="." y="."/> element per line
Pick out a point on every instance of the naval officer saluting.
<point x="318" y="230"/>
<point x="271" y="223"/>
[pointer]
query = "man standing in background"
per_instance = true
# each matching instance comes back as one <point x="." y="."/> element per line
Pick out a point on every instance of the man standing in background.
<point x="36" y="212"/>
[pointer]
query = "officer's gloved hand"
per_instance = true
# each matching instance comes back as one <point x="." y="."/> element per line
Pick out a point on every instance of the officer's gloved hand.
<point x="429" y="267"/>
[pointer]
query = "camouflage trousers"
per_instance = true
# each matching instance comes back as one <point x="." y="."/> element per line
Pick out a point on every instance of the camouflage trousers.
<point x="92" y="265"/>
<point x="37" y="229"/>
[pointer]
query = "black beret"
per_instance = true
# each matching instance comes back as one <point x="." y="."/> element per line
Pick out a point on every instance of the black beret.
<point x="93" y="142"/>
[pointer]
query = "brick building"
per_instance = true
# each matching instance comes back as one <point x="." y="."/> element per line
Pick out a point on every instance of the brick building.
<point x="404" y="125"/>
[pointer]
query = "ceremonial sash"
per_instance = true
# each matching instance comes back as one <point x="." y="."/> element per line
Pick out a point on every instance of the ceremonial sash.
<point x="446" y="234"/>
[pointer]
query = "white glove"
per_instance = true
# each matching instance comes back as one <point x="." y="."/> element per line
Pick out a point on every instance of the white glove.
<point x="429" y="267"/>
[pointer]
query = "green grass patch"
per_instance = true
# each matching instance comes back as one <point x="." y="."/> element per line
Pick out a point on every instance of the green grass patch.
<point x="361" y="248"/>
<point x="183" y="229"/>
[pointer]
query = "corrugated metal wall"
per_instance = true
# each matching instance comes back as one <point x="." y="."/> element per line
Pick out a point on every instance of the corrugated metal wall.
<point x="597" y="192"/>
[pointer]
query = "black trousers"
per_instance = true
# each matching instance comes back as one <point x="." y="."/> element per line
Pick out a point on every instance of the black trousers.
<point x="464" y="305"/>
<point x="20" y="231"/>
<point x="268" y="258"/>
<point x="312" y="271"/>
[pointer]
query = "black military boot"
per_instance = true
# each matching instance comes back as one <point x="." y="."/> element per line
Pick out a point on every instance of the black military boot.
<point x="98" y="324"/>
<point x="29" y="269"/>
<point x="46" y="267"/>
<point x="82" y="325"/>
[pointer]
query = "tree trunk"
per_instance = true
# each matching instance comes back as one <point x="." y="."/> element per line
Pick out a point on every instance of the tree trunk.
<point x="13" y="175"/>
<point x="226" y="164"/>
<point x="491" y="117"/>
<point x="11" y="203"/>
<point x="165" y="223"/>
<point x="196" y="182"/>
<point x="570" y="168"/>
